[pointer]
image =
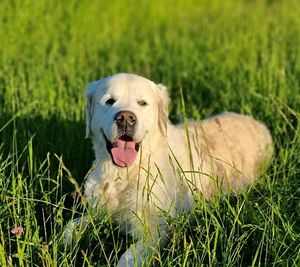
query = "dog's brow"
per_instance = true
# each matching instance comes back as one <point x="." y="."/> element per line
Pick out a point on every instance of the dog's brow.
<point x="107" y="96"/>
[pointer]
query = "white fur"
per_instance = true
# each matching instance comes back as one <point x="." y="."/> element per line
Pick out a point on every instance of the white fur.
<point x="224" y="152"/>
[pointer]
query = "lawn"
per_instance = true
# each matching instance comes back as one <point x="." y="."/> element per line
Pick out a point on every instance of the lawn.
<point x="242" y="56"/>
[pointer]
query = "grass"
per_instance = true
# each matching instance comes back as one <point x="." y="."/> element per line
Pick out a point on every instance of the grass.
<point x="225" y="55"/>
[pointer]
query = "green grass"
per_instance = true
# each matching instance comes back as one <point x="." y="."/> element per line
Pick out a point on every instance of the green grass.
<point x="225" y="55"/>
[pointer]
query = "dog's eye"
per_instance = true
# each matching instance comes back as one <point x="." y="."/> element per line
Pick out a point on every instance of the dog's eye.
<point x="142" y="103"/>
<point x="110" y="101"/>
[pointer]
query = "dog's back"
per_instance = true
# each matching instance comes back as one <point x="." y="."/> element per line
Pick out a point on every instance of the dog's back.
<point x="228" y="151"/>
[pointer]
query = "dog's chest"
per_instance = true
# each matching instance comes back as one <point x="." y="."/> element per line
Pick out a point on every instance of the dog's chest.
<point x="111" y="187"/>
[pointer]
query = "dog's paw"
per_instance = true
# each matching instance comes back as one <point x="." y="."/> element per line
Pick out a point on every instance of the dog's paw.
<point x="127" y="259"/>
<point x="136" y="255"/>
<point x="73" y="230"/>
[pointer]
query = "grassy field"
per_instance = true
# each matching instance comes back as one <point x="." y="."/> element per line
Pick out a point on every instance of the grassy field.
<point x="242" y="56"/>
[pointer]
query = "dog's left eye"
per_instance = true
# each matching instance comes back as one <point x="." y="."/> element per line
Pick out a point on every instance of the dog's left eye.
<point x="110" y="101"/>
<point x="142" y="103"/>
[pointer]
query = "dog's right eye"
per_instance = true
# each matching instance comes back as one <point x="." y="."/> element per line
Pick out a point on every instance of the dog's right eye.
<point x="110" y="101"/>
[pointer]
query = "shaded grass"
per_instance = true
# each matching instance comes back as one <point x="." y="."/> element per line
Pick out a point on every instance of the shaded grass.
<point x="234" y="55"/>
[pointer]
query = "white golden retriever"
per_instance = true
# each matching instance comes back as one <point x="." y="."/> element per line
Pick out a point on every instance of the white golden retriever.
<point x="146" y="166"/>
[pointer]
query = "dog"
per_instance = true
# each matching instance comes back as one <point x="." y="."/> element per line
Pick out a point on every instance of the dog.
<point x="146" y="166"/>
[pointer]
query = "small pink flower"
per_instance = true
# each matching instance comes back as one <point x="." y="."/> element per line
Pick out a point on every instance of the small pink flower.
<point x="17" y="230"/>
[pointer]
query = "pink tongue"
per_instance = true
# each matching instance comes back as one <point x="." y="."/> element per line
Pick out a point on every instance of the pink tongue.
<point x="124" y="153"/>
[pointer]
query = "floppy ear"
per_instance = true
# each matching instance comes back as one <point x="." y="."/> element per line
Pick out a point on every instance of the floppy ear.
<point x="90" y="90"/>
<point x="163" y="109"/>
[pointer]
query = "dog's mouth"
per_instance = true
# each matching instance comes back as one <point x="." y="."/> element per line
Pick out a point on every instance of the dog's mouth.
<point x="123" y="150"/>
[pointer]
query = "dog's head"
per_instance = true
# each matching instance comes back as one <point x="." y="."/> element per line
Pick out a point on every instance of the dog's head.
<point x="122" y="110"/>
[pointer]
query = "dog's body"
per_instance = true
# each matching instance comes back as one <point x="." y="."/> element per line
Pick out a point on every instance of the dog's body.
<point x="145" y="165"/>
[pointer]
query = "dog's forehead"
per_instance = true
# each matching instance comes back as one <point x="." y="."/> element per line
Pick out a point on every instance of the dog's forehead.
<point x="129" y="84"/>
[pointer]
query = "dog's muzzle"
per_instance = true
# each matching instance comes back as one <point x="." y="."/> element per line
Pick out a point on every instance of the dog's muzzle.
<point x="126" y="122"/>
<point x="124" y="149"/>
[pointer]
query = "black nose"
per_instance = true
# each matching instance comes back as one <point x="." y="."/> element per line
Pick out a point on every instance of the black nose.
<point x="125" y="119"/>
